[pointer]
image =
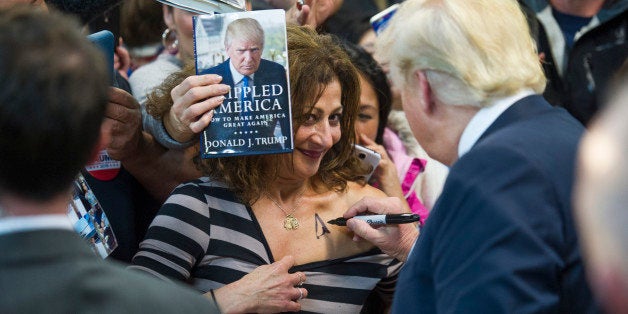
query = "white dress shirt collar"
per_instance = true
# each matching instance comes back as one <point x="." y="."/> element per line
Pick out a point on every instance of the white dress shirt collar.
<point x="484" y="118"/>
<point x="237" y="77"/>
<point x="11" y="224"/>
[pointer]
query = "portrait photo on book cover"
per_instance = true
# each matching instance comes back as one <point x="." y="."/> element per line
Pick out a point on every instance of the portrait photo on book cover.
<point x="249" y="51"/>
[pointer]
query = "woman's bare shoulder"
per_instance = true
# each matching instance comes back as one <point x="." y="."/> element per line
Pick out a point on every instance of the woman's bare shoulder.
<point x="356" y="192"/>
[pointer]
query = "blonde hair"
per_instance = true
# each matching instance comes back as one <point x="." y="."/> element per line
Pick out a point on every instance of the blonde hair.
<point x="244" y="29"/>
<point x="471" y="51"/>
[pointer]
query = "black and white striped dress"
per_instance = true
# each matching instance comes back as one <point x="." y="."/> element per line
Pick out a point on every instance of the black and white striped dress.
<point x="204" y="236"/>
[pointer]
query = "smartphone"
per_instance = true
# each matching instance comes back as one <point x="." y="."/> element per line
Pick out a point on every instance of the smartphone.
<point x="369" y="157"/>
<point x="380" y="20"/>
<point x="105" y="41"/>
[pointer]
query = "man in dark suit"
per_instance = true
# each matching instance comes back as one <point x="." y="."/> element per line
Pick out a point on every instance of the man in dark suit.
<point x="53" y="95"/>
<point x="501" y="237"/>
<point x="259" y="89"/>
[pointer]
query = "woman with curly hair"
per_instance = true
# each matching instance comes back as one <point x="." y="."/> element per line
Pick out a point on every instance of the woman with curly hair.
<point x="251" y="232"/>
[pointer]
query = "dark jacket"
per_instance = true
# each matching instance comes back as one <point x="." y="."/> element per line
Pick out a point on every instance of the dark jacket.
<point x="591" y="62"/>
<point x="54" y="271"/>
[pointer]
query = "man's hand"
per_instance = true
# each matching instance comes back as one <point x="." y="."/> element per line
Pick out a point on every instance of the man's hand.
<point x="159" y="170"/>
<point x="394" y="240"/>
<point x="122" y="125"/>
<point x="312" y="13"/>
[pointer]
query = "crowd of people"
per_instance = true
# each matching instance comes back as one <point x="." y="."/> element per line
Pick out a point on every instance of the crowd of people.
<point x="479" y="111"/>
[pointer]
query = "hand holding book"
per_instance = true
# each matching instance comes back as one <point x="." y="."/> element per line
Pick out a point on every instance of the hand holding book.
<point x="194" y="101"/>
<point x="248" y="50"/>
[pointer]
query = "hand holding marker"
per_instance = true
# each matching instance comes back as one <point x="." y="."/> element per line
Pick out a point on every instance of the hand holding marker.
<point x="391" y="219"/>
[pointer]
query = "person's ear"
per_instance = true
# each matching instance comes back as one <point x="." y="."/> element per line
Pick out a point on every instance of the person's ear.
<point x="426" y="94"/>
<point x="169" y="16"/>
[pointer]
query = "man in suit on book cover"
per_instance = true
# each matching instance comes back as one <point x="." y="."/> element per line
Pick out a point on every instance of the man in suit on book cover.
<point x="53" y="95"/>
<point x="257" y="84"/>
<point x="501" y="237"/>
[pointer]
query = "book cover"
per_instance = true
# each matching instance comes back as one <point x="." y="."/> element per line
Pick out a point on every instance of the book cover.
<point x="207" y="6"/>
<point x="249" y="50"/>
<point x="89" y="219"/>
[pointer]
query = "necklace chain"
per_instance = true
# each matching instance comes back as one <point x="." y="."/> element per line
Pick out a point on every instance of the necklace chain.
<point x="289" y="222"/>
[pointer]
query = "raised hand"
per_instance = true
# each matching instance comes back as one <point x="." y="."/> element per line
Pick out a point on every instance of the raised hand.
<point x="312" y="13"/>
<point x="386" y="172"/>
<point x="159" y="170"/>
<point x="122" y="125"/>
<point x="194" y="101"/>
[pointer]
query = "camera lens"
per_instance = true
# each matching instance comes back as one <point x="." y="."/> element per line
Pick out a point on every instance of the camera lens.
<point x="362" y="155"/>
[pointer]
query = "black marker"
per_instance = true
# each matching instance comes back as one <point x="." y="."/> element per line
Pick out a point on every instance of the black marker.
<point x="391" y="219"/>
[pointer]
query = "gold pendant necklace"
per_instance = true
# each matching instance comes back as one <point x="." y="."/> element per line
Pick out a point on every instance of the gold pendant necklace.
<point x="289" y="222"/>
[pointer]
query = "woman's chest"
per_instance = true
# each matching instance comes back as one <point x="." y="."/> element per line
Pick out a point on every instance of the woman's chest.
<point x="306" y="234"/>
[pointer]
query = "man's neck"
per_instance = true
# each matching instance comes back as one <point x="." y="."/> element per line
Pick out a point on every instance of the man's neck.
<point x="454" y="119"/>
<point x="581" y="8"/>
<point x="17" y="206"/>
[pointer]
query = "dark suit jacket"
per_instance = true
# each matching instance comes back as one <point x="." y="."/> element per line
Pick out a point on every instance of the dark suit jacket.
<point x="269" y="72"/>
<point x="501" y="237"/>
<point x="54" y="271"/>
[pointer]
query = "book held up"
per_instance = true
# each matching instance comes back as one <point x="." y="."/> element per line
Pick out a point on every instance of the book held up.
<point x="249" y="51"/>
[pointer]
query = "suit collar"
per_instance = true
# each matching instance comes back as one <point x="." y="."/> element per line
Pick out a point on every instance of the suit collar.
<point x="520" y="110"/>
<point x="224" y="69"/>
<point x="43" y="245"/>
<point x="483" y="119"/>
<point x="25" y="223"/>
<point x="237" y="77"/>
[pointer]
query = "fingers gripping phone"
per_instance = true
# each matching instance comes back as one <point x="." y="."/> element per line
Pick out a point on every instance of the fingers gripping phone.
<point x="368" y="157"/>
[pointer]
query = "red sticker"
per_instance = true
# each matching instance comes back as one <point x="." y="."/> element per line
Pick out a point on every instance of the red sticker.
<point x="104" y="168"/>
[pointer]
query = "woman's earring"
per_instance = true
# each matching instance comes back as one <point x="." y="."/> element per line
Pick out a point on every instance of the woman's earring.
<point x="170" y="41"/>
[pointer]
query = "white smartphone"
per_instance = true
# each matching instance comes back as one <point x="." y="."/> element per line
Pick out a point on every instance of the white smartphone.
<point x="368" y="157"/>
